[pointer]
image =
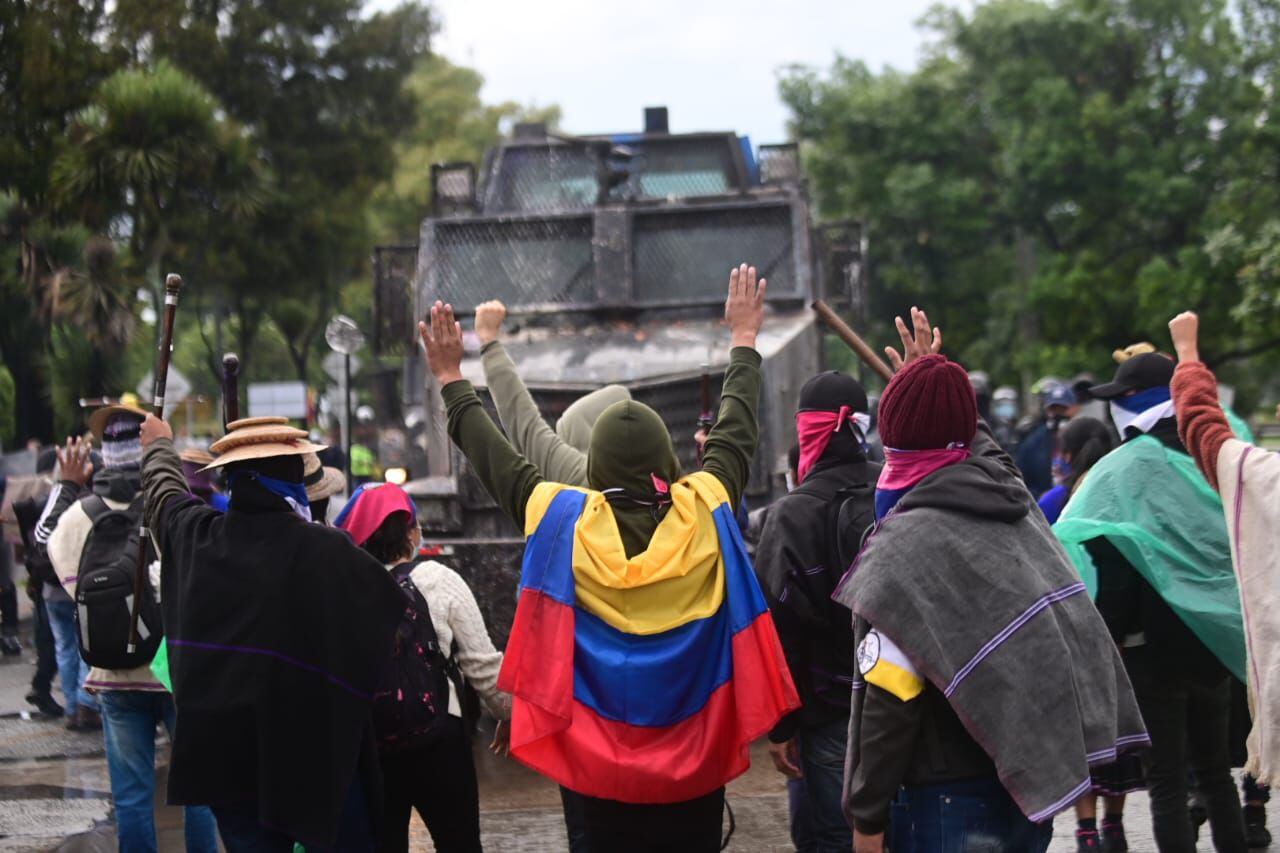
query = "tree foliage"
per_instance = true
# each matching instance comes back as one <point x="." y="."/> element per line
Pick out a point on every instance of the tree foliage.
<point x="1058" y="179"/>
<point x="259" y="149"/>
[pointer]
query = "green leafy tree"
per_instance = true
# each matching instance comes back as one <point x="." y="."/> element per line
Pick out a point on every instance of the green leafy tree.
<point x="51" y="59"/>
<point x="447" y="122"/>
<point x="136" y="158"/>
<point x="321" y="86"/>
<point x="1060" y="178"/>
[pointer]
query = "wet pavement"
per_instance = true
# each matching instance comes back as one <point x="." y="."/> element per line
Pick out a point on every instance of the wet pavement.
<point x="55" y="794"/>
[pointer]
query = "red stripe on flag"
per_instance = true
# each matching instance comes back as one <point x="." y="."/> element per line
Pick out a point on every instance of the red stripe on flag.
<point x="537" y="665"/>
<point x="667" y="764"/>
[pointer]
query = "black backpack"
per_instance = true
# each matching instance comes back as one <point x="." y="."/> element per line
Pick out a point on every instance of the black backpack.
<point x="35" y="558"/>
<point x="411" y="700"/>
<point x="850" y="511"/>
<point x="104" y="590"/>
<point x="850" y="514"/>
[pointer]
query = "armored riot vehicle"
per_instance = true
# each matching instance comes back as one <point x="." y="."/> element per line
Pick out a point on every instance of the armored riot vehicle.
<point x="612" y="255"/>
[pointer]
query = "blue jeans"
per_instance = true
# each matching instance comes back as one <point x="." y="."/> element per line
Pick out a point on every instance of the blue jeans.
<point x="801" y="819"/>
<point x="822" y="751"/>
<point x="72" y="670"/>
<point x="971" y="816"/>
<point x="129" y="719"/>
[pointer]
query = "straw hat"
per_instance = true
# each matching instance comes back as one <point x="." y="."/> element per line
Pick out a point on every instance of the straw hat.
<point x="260" y="438"/>
<point x="196" y="456"/>
<point x="98" y="420"/>
<point x="321" y="481"/>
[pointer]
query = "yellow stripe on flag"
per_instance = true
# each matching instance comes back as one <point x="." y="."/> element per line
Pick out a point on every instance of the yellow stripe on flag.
<point x="678" y="579"/>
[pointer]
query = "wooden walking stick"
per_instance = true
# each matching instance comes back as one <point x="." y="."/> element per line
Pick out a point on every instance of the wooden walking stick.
<point x="172" y="284"/>
<point x="852" y="340"/>
<point x="230" y="389"/>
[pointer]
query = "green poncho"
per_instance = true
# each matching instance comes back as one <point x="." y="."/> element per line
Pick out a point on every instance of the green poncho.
<point x="1160" y="513"/>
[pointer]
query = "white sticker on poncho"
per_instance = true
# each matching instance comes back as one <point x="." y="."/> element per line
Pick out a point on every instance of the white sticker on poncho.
<point x="868" y="652"/>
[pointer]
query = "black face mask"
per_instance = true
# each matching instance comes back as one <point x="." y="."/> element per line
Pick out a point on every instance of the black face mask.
<point x="1055" y="422"/>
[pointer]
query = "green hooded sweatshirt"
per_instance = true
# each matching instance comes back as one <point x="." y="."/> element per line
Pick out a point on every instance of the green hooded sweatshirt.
<point x="629" y="444"/>
<point x="561" y="455"/>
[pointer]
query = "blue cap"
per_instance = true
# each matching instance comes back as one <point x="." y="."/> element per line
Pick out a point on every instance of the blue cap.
<point x="1059" y="395"/>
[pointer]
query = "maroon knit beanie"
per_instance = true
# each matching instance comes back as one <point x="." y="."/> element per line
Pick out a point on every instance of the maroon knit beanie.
<point x="928" y="405"/>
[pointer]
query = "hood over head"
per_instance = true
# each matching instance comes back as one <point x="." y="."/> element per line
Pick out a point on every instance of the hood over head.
<point x="117" y="484"/>
<point x="630" y="446"/>
<point x="574" y="426"/>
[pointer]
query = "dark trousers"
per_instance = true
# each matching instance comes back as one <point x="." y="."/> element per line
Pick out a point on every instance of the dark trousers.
<point x="960" y="817"/>
<point x="8" y="593"/>
<point x="692" y="826"/>
<point x="440" y="782"/>
<point x="242" y="832"/>
<point x="822" y="750"/>
<point x="46" y="657"/>
<point x="802" y="837"/>
<point x="1189" y="724"/>
<point x="575" y="822"/>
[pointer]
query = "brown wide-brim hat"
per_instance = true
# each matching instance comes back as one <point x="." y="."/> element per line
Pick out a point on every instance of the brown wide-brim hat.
<point x="260" y="438"/>
<point x="196" y="456"/>
<point x="321" y="481"/>
<point x="98" y="420"/>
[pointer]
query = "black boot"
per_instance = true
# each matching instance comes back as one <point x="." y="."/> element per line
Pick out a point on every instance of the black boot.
<point x="45" y="704"/>
<point x="1256" y="834"/>
<point x="10" y="646"/>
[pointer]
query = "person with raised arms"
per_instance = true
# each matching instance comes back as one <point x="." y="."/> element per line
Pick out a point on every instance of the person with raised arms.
<point x="988" y="687"/>
<point x="642" y="661"/>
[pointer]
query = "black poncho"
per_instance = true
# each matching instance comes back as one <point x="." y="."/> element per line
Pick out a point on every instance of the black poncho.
<point x="275" y="630"/>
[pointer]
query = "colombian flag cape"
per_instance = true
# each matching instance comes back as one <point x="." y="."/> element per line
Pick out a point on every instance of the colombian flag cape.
<point x="640" y="679"/>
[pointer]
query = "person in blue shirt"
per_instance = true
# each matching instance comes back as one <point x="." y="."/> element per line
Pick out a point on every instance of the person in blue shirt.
<point x="1084" y="441"/>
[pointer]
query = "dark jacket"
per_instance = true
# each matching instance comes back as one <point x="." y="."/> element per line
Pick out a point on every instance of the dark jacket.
<point x="799" y="559"/>
<point x="1035" y="458"/>
<point x="276" y="629"/>
<point x="1136" y="614"/>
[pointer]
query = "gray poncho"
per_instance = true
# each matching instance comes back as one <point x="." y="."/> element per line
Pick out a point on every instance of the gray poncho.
<point x="966" y="578"/>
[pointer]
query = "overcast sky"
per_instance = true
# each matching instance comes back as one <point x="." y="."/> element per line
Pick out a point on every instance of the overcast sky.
<point x="713" y="63"/>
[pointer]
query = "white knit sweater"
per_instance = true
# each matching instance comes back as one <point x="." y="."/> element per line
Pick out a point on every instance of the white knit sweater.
<point x="456" y="617"/>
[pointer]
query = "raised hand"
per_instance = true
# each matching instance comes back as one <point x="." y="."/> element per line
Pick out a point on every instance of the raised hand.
<point x="442" y="341"/>
<point x="489" y="317"/>
<point x="74" y="462"/>
<point x="916" y="341"/>
<point x="744" y="307"/>
<point x="1185" y="329"/>
<point x="153" y="428"/>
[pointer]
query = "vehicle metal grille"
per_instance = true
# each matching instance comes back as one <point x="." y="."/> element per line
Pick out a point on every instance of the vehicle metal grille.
<point x="684" y="255"/>
<point x="522" y="262"/>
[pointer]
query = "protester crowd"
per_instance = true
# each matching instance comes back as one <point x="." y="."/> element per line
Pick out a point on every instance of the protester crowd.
<point x="954" y="627"/>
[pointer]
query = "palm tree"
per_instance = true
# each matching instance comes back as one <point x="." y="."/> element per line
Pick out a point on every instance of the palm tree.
<point x="96" y="301"/>
<point x="136" y="157"/>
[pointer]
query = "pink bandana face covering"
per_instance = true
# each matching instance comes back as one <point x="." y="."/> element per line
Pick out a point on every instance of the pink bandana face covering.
<point x="815" y="429"/>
